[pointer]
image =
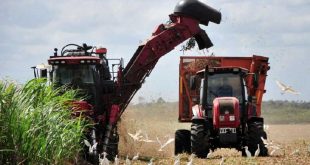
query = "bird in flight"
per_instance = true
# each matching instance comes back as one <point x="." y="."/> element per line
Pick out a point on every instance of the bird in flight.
<point x="286" y="88"/>
<point x="137" y="136"/>
<point x="165" y="144"/>
<point x="146" y="139"/>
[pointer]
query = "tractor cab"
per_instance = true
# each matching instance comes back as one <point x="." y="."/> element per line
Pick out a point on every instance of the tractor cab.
<point x="222" y="93"/>
<point x="220" y="82"/>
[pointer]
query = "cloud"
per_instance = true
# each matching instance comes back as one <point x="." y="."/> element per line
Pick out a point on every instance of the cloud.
<point x="281" y="30"/>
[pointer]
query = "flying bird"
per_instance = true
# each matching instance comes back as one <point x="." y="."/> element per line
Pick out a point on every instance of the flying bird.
<point x="266" y="142"/>
<point x="165" y="144"/>
<point x="137" y="136"/>
<point x="286" y="88"/>
<point x="91" y="148"/>
<point x="146" y="139"/>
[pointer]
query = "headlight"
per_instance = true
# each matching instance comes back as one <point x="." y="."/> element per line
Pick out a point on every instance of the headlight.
<point x="235" y="69"/>
<point x="222" y="118"/>
<point x="232" y="118"/>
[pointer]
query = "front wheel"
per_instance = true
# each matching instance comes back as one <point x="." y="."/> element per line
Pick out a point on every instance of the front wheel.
<point x="199" y="139"/>
<point x="182" y="142"/>
<point x="254" y="139"/>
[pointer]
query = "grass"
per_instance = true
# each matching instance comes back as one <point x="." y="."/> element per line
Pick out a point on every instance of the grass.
<point x="36" y="125"/>
<point x="284" y="112"/>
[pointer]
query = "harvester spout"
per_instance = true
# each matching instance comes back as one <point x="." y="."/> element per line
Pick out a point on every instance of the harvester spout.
<point x="198" y="10"/>
<point x="201" y="12"/>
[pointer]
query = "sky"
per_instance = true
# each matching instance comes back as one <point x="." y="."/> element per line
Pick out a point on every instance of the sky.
<point x="278" y="29"/>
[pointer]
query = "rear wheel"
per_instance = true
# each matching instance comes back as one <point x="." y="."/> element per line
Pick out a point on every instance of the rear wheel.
<point x="182" y="142"/>
<point x="199" y="139"/>
<point x="254" y="139"/>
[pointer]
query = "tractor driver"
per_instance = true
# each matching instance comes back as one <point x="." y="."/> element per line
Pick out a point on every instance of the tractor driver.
<point x="77" y="79"/>
<point x="225" y="89"/>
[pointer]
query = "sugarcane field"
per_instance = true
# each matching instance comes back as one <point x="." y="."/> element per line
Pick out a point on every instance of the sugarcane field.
<point x="179" y="82"/>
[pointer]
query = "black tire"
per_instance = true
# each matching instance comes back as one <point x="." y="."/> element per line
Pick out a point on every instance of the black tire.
<point x="254" y="135"/>
<point x="112" y="148"/>
<point x="182" y="143"/>
<point x="199" y="139"/>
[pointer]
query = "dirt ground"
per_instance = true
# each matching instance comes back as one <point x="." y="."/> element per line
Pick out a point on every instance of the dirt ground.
<point x="293" y="142"/>
<point x="289" y="133"/>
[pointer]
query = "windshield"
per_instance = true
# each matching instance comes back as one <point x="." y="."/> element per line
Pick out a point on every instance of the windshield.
<point x="224" y="85"/>
<point x="73" y="74"/>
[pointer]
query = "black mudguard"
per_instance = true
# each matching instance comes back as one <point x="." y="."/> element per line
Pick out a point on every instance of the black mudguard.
<point x="255" y="119"/>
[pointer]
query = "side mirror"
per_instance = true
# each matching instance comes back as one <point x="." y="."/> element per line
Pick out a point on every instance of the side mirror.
<point x="193" y="82"/>
<point x="43" y="73"/>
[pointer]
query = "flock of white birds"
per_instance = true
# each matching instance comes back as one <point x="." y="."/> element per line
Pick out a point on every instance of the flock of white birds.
<point x="272" y="147"/>
<point x="137" y="137"/>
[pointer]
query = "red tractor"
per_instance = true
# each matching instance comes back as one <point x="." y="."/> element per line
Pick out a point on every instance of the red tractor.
<point x="109" y="90"/>
<point x="221" y="97"/>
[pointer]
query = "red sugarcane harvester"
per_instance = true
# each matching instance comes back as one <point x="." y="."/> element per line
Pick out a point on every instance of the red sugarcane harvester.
<point x="110" y="91"/>
<point x="222" y="97"/>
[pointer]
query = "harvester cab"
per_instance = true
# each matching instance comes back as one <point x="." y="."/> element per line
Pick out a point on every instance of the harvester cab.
<point x="81" y="67"/>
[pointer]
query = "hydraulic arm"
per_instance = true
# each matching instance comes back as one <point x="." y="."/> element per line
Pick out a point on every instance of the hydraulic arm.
<point x="184" y="25"/>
